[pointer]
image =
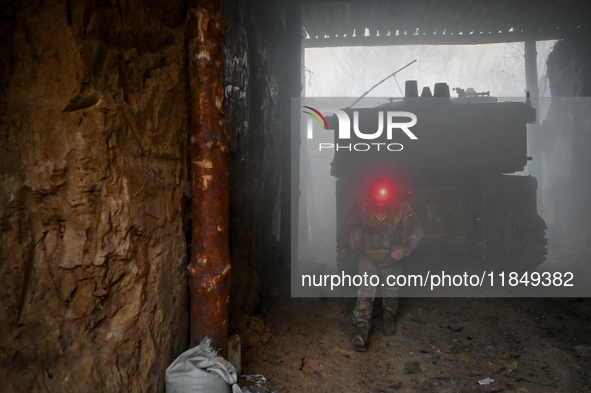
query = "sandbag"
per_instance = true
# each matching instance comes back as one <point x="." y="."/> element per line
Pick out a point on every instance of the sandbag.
<point x="201" y="370"/>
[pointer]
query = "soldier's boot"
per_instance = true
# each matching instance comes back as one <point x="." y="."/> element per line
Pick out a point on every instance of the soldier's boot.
<point x="388" y="324"/>
<point x="361" y="336"/>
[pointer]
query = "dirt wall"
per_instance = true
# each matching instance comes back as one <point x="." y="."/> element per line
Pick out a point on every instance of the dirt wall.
<point x="93" y="178"/>
<point x="262" y="62"/>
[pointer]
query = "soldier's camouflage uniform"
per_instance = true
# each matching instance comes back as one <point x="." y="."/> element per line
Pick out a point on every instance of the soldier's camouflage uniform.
<point x="375" y="232"/>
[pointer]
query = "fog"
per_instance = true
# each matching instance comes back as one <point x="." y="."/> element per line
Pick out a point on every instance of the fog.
<point x="351" y="71"/>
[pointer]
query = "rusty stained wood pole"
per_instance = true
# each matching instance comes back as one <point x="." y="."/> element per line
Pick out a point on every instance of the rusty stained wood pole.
<point x="209" y="268"/>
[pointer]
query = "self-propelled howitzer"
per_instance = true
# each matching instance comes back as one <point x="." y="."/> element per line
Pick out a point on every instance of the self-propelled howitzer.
<point x="462" y="172"/>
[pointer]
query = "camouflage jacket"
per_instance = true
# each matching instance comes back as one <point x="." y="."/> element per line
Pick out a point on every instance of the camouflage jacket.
<point x="371" y="227"/>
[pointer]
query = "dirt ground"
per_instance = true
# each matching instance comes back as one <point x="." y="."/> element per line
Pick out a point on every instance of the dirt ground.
<point x="524" y="345"/>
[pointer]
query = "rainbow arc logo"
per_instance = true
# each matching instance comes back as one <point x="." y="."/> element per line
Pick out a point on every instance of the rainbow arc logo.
<point x="325" y="127"/>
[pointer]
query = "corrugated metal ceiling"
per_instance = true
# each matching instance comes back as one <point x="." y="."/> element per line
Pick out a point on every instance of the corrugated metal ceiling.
<point x="403" y="22"/>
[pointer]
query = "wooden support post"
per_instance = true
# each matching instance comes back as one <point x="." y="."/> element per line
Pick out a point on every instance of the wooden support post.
<point x="209" y="268"/>
<point x="531" y="72"/>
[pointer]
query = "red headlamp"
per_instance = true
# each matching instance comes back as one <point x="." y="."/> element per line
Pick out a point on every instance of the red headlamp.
<point x="382" y="192"/>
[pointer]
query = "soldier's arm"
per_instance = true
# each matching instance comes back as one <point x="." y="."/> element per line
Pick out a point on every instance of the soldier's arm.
<point x="413" y="229"/>
<point x="353" y="218"/>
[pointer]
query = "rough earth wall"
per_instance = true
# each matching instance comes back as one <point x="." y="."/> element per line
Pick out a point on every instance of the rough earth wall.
<point x="565" y="185"/>
<point x="259" y="68"/>
<point x="93" y="176"/>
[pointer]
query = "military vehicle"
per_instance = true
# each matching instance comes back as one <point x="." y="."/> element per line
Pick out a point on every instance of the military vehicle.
<point x="463" y="174"/>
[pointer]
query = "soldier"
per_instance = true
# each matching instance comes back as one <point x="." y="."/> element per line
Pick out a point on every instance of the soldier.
<point x="383" y="229"/>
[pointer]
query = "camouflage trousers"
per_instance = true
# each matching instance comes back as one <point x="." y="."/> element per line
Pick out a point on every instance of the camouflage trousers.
<point x="366" y="294"/>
